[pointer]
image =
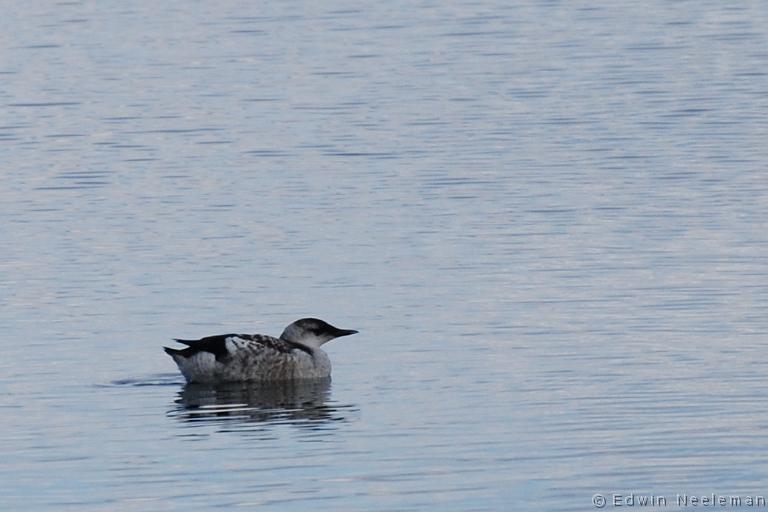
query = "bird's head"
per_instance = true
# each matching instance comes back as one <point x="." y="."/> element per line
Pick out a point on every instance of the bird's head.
<point x="313" y="332"/>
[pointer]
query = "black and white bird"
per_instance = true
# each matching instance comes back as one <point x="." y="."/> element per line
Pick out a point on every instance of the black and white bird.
<point x="295" y="355"/>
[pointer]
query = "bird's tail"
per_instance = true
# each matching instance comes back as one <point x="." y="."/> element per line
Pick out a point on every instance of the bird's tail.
<point x="188" y="343"/>
<point x="173" y="352"/>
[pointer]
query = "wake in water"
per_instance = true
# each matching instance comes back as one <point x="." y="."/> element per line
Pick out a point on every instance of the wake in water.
<point x="306" y="404"/>
<point x="160" y="379"/>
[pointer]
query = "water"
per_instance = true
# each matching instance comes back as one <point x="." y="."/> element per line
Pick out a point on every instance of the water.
<point x="547" y="219"/>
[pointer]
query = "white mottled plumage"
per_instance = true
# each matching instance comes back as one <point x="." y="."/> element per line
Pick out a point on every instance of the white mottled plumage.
<point x="296" y="354"/>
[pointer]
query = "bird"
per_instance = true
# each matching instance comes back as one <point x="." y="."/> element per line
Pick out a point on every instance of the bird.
<point x="295" y="355"/>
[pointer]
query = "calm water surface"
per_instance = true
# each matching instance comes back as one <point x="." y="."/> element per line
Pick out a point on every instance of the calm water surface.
<point x="547" y="219"/>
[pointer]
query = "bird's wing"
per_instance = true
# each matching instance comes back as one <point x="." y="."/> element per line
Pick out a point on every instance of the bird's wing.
<point x="276" y="344"/>
<point x="220" y="338"/>
<point x="217" y="345"/>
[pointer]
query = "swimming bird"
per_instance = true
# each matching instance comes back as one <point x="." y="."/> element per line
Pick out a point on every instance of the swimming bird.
<point x="295" y="355"/>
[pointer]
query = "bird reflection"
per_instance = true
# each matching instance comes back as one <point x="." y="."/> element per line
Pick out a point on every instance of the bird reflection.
<point x="299" y="403"/>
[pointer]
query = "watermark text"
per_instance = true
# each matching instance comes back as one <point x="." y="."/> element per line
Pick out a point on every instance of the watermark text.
<point x="713" y="500"/>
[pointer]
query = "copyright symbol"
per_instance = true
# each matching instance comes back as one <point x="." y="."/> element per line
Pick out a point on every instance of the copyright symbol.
<point x="598" y="500"/>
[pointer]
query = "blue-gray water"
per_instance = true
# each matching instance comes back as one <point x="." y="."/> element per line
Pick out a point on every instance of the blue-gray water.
<point x="547" y="219"/>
